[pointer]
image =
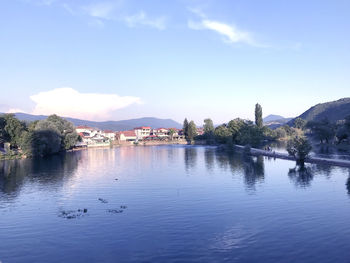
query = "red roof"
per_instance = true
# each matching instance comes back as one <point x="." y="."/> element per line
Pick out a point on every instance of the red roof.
<point x="128" y="133"/>
<point x="108" y="131"/>
<point x="142" y="127"/>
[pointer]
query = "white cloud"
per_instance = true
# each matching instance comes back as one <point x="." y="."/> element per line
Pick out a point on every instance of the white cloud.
<point x="68" y="102"/>
<point x="230" y="33"/>
<point x="102" y="10"/>
<point x="142" y="19"/>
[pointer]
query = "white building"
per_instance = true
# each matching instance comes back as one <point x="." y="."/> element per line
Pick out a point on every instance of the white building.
<point x="142" y="132"/>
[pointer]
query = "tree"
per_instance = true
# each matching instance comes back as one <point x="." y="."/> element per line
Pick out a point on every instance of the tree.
<point x="258" y="116"/>
<point x="223" y="134"/>
<point x="300" y="123"/>
<point x="323" y="130"/>
<point x="49" y="136"/>
<point x="281" y="133"/>
<point x="192" y="130"/>
<point x="171" y="133"/>
<point x="13" y="129"/>
<point x="208" y="128"/>
<point x="299" y="147"/>
<point x="250" y="134"/>
<point x="185" y="128"/>
<point x="235" y="126"/>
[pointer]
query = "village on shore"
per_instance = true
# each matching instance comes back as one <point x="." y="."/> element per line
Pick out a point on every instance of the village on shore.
<point x="94" y="137"/>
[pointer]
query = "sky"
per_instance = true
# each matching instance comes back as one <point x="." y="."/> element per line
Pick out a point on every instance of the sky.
<point x="122" y="59"/>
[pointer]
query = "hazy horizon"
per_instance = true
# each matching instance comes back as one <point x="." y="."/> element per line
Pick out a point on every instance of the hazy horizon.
<point x="117" y="60"/>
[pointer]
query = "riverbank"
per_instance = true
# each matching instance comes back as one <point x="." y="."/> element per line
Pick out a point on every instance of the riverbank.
<point x="285" y="156"/>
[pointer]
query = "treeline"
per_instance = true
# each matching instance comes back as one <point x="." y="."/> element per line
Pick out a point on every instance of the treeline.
<point x="38" y="138"/>
<point x="238" y="131"/>
<point x="327" y="132"/>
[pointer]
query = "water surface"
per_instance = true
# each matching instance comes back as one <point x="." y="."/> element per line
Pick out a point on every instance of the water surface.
<point x="172" y="204"/>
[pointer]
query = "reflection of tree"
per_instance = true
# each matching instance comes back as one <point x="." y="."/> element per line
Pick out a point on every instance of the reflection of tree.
<point x="348" y="184"/>
<point x="190" y="157"/>
<point x="209" y="156"/>
<point x="51" y="170"/>
<point x="254" y="171"/>
<point x="301" y="176"/>
<point x="252" y="167"/>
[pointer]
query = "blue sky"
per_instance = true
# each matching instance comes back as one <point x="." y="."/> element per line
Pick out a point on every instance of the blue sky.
<point x="118" y="59"/>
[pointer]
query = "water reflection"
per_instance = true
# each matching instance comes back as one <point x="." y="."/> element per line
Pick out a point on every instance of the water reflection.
<point x="51" y="170"/>
<point x="301" y="176"/>
<point x="190" y="157"/>
<point x="348" y="184"/>
<point x="254" y="171"/>
<point x="252" y="168"/>
<point x="209" y="156"/>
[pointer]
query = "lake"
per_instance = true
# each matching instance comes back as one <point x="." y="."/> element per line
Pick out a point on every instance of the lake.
<point x="172" y="204"/>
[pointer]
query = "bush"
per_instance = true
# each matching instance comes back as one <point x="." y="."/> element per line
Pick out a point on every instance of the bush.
<point x="299" y="148"/>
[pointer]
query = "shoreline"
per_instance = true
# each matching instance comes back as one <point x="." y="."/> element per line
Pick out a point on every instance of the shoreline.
<point x="253" y="151"/>
<point x="285" y="156"/>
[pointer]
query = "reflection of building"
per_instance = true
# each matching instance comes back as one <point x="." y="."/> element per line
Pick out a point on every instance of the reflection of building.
<point x="142" y="132"/>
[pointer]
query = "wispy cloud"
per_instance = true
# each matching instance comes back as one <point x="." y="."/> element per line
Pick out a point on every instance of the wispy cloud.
<point x="103" y="10"/>
<point x="110" y="11"/>
<point x="231" y="33"/>
<point x="71" y="103"/>
<point x="141" y="18"/>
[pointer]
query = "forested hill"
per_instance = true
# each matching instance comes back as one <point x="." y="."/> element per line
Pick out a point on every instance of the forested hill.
<point x="111" y="125"/>
<point x="333" y="111"/>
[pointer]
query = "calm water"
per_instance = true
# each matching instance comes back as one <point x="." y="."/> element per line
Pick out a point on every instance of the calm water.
<point x="171" y="204"/>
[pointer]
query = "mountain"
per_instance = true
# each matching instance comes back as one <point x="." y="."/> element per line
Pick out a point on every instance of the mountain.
<point x="275" y="121"/>
<point x="110" y="125"/>
<point x="272" y="117"/>
<point x="333" y="111"/>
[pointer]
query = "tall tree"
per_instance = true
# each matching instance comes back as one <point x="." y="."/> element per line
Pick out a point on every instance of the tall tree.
<point x="208" y="127"/>
<point x="185" y="128"/>
<point x="258" y="115"/>
<point x="192" y="130"/>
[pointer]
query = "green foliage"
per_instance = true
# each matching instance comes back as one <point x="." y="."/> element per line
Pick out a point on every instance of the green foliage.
<point x="300" y="123"/>
<point x="280" y="133"/>
<point x="223" y="134"/>
<point x="250" y="134"/>
<point x="171" y="133"/>
<point x="185" y="128"/>
<point x="299" y="147"/>
<point x="208" y="128"/>
<point x="49" y="136"/>
<point x="12" y="130"/>
<point x="192" y="131"/>
<point x="258" y="115"/>
<point x="235" y="127"/>
<point x="291" y="132"/>
<point x="323" y="130"/>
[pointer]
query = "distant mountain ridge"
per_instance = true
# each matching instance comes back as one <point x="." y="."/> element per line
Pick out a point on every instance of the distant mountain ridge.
<point x="272" y="117"/>
<point x="275" y="121"/>
<point x="122" y="125"/>
<point x="333" y="111"/>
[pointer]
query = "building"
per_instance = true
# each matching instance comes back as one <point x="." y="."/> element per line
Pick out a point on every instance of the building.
<point x="109" y="134"/>
<point x="161" y="132"/>
<point x="142" y="132"/>
<point x="126" y="136"/>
